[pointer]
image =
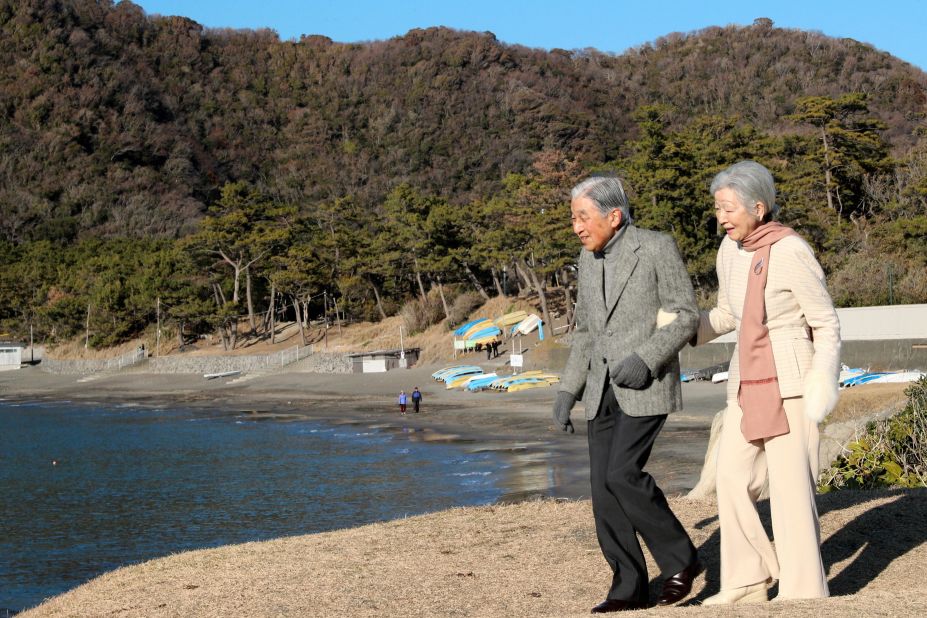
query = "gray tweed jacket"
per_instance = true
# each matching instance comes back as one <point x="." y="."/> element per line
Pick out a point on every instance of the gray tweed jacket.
<point x="649" y="275"/>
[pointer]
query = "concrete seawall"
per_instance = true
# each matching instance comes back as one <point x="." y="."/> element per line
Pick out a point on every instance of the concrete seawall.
<point x="319" y="362"/>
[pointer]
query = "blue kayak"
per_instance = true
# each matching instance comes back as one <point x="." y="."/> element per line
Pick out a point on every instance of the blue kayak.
<point x="481" y="382"/>
<point x="489" y="331"/>
<point x="460" y="330"/>
<point x="864" y="378"/>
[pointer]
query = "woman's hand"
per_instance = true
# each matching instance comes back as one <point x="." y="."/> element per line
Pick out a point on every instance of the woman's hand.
<point x="821" y="394"/>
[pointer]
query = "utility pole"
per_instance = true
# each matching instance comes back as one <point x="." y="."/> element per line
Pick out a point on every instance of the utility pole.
<point x="158" y="331"/>
<point x="87" y="329"/>
<point x="402" y="351"/>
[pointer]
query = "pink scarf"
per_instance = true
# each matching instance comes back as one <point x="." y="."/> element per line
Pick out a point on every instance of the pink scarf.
<point x="759" y="397"/>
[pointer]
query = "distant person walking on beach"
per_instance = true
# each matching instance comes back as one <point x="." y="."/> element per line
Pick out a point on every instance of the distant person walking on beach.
<point x="782" y="383"/>
<point x="416" y="399"/>
<point x="635" y="310"/>
<point x="403" y="400"/>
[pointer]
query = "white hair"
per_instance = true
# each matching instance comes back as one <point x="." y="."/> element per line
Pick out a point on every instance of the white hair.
<point x="752" y="183"/>
<point x="606" y="192"/>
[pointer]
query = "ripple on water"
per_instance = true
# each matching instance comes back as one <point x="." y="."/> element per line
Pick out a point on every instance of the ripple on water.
<point x="132" y="483"/>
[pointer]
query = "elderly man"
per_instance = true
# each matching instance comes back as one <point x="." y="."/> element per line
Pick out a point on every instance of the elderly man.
<point x="635" y="310"/>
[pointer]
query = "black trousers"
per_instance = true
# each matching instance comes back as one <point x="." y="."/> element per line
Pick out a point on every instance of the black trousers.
<point x="626" y="501"/>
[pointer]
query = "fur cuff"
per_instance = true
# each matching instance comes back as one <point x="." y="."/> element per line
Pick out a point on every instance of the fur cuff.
<point x="821" y="395"/>
<point x="665" y="318"/>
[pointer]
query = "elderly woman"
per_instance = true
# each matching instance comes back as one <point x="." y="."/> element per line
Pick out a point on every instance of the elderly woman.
<point x="782" y="383"/>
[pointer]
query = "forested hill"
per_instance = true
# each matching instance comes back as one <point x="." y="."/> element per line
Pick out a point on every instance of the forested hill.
<point x="115" y="123"/>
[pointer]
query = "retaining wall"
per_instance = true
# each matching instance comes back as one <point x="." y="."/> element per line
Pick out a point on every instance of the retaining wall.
<point x="319" y="362"/>
<point x="52" y="365"/>
<point x="324" y="362"/>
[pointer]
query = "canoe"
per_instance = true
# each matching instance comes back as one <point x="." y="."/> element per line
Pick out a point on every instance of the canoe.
<point x="719" y="377"/>
<point x="846" y="373"/>
<point x="528" y="385"/>
<point x="461" y="380"/>
<point x="476" y="327"/>
<point x="901" y="376"/>
<point x="510" y="318"/>
<point x="498" y="383"/>
<point x="460" y="330"/>
<point x="460" y="372"/>
<point x="481" y="381"/>
<point x="489" y="331"/>
<point x="444" y="373"/>
<point x="864" y="378"/>
<point x="546" y="377"/>
<point x="221" y="374"/>
<point x="528" y="324"/>
<point x="522" y="377"/>
<point x="439" y="374"/>
<point x="540" y="380"/>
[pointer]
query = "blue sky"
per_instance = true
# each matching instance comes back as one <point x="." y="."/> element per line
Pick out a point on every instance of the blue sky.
<point x="895" y="26"/>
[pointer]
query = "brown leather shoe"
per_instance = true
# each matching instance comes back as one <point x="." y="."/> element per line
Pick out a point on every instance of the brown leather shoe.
<point x="617" y="605"/>
<point x="677" y="587"/>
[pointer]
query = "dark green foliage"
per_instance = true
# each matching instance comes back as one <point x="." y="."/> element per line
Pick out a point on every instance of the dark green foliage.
<point x="114" y="123"/>
<point x="892" y="453"/>
<point x="371" y="174"/>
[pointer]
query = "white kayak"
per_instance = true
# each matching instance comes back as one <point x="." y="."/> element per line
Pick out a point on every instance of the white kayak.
<point x="719" y="377"/>
<point x="528" y="324"/>
<point x="901" y="376"/>
<point x="221" y="374"/>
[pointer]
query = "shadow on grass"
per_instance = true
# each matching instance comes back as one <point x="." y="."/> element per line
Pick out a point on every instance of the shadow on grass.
<point x="871" y="541"/>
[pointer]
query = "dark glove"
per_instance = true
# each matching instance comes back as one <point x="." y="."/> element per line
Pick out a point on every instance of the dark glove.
<point x="562" y="408"/>
<point x="632" y="372"/>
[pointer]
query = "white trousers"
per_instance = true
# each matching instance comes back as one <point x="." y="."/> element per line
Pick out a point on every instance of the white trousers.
<point x="791" y="461"/>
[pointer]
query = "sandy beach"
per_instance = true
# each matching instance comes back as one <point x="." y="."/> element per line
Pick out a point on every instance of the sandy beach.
<point x="544" y="460"/>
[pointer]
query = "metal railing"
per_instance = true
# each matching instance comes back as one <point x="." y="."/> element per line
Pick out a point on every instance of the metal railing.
<point x="289" y="356"/>
<point x="125" y="360"/>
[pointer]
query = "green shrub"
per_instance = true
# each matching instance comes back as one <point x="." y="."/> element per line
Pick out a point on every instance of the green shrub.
<point x="891" y="453"/>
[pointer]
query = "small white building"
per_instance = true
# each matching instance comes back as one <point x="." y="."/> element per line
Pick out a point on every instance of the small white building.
<point x="384" y="360"/>
<point x="11" y="356"/>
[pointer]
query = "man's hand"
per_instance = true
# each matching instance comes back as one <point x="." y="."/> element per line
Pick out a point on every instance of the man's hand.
<point x="632" y="372"/>
<point x="562" y="408"/>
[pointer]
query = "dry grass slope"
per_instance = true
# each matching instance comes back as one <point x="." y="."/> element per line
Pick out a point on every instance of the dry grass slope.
<point x="528" y="559"/>
<point x="436" y="342"/>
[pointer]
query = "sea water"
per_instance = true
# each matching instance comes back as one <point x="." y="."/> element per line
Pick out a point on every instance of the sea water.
<point x="85" y="489"/>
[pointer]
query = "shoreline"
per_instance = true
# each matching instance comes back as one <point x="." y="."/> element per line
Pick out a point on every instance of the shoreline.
<point x="484" y="560"/>
<point x="544" y="462"/>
